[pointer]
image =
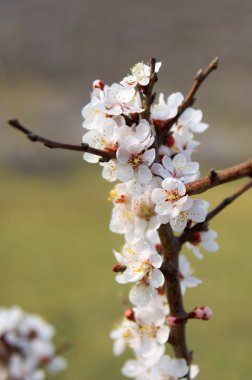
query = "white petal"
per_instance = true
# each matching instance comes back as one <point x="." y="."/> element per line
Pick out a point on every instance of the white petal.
<point x="149" y="156"/>
<point x="91" y="158"/>
<point x="119" y="347"/>
<point x="130" y="368"/>
<point x="124" y="172"/>
<point x="158" y="196"/>
<point x="156" y="278"/>
<point x="144" y="174"/>
<point x="163" y="334"/>
<point x="199" y="127"/>
<point x="140" y="295"/>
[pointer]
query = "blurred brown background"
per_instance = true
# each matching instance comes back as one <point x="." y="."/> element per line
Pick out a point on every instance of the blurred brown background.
<point x="56" y="250"/>
<point x="51" y="51"/>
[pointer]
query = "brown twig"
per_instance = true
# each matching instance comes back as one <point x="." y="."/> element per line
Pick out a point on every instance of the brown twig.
<point x="105" y="156"/>
<point x="221" y="176"/>
<point x="149" y="97"/>
<point x="187" y="235"/>
<point x="189" y="99"/>
<point x="170" y="268"/>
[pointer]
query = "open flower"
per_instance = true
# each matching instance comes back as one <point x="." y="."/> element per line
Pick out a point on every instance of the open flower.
<point x="206" y="239"/>
<point x="185" y="271"/>
<point x="141" y="261"/>
<point x="140" y="75"/>
<point x="171" y="198"/>
<point x="178" y="167"/>
<point x="194" y="211"/>
<point x="166" y="110"/>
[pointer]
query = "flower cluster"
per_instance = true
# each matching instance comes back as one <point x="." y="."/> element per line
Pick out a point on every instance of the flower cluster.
<point x="26" y="348"/>
<point x="151" y="191"/>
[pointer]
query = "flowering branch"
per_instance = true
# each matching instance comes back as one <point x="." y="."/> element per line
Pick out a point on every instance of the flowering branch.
<point x="189" y="99"/>
<point x="105" y="156"/>
<point x="187" y="235"/>
<point x="147" y="148"/>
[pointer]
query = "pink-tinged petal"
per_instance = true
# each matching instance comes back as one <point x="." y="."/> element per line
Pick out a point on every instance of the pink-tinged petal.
<point x="196" y="214"/>
<point x="140" y="294"/>
<point x="156" y="278"/>
<point x="163" y="334"/>
<point x="184" y="203"/>
<point x="149" y="156"/>
<point x="156" y="260"/>
<point x="130" y="368"/>
<point x="158" y="196"/>
<point x="124" y="172"/>
<point x="179" y="162"/>
<point x="144" y="174"/>
<point x="191" y="167"/>
<point x="123" y="155"/>
<point x="164" y="208"/>
<point x="168" y="164"/>
<point x="156" y="168"/>
<point x="142" y="130"/>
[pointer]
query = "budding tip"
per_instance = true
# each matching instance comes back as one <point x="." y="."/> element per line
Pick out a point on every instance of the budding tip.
<point x="130" y="314"/>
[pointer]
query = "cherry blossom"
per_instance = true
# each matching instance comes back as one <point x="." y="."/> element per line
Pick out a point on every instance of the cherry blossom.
<point x="166" y="110"/>
<point x="140" y="75"/>
<point x="186" y="280"/>
<point x="206" y="239"/>
<point x="178" y="167"/>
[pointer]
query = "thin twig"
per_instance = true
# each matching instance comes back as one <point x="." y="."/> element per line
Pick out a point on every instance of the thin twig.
<point x="189" y="99"/>
<point x="188" y="233"/>
<point x="149" y="96"/>
<point x="105" y="156"/>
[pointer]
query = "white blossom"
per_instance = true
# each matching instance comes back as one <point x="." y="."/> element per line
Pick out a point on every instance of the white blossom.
<point x="165" y="110"/>
<point x="178" y="167"/>
<point x="206" y="239"/>
<point x="185" y="271"/>
<point x="140" y="75"/>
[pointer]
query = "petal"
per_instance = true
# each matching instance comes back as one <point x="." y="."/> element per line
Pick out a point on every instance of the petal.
<point x="156" y="260"/>
<point x="130" y="368"/>
<point x="91" y="158"/>
<point x="156" y="278"/>
<point x="163" y="334"/>
<point x="122" y="155"/>
<point x="158" y="196"/>
<point x="149" y="156"/>
<point x="144" y="174"/>
<point x="124" y="172"/>
<point x="179" y="162"/>
<point x="199" y="127"/>
<point x="140" y="294"/>
<point x="168" y="164"/>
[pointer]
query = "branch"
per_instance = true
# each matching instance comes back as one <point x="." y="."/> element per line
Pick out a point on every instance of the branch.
<point x="149" y="96"/>
<point x="105" y="156"/>
<point x="170" y="268"/>
<point x="188" y="233"/>
<point x="190" y="97"/>
<point x="219" y="177"/>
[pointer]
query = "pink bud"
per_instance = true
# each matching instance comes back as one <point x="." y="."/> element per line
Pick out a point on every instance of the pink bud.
<point x="208" y="313"/>
<point x="204" y="313"/>
<point x="117" y="268"/>
<point x="98" y="84"/>
<point x="174" y="321"/>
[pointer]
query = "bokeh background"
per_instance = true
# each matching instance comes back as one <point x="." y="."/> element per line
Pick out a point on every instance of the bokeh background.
<point x="56" y="250"/>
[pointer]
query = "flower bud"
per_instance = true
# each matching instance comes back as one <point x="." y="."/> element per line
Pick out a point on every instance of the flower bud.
<point x="204" y="313"/>
<point x="174" y="321"/>
<point x="98" y="84"/>
<point x="117" y="268"/>
<point x="130" y="314"/>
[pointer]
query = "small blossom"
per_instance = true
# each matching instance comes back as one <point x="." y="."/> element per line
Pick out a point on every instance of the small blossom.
<point x="140" y="75"/>
<point x="177" y="168"/>
<point x="166" y="110"/>
<point x="206" y="239"/>
<point x="186" y="280"/>
<point x="194" y="211"/>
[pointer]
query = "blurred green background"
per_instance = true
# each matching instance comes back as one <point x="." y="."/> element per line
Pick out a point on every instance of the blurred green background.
<point x="56" y="249"/>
